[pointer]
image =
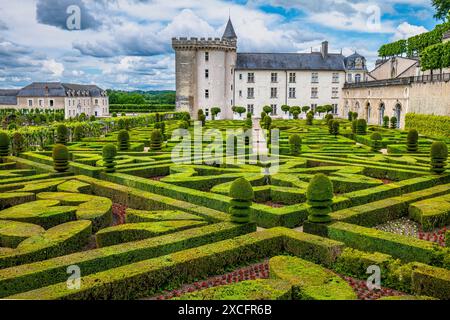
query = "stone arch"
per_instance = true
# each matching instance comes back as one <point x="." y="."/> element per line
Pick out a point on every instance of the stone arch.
<point x="398" y="113"/>
<point x="381" y="112"/>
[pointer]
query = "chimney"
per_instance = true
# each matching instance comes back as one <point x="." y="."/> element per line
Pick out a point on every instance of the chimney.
<point x="324" y="49"/>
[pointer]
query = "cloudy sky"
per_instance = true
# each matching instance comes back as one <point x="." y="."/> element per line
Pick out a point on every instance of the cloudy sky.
<point x="126" y="44"/>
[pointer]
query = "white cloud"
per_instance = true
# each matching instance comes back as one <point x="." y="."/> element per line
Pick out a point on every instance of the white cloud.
<point x="406" y="30"/>
<point x="53" y="67"/>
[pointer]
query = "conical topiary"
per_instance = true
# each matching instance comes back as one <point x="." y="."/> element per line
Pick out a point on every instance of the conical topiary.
<point x="60" y="158"/>
<point x="123" y="140"/>
<point x="386" y="122"/>
<point x="4" y="144"/>
<point x="439" y="156"/>
<point x="62" y="134"/>
<point x="335" y="127"/>
<point x="156" y="140"/>
<point x="394" y="122"/>
<point x="242" y="195"/>
<point x="320" y="198"/>
<point x="295" y="143"/>
<point x="361" y="126"/>
<point x="109" y="153"/>
<point x="412" y="139"/>
<point x="376" y="141"/>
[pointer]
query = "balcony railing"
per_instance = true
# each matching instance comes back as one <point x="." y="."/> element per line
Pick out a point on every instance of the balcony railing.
<point x="444" y="77"/>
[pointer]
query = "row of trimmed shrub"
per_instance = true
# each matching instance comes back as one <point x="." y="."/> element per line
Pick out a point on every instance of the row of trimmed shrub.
<point x="140" y="108"/>
<point x="431" y="125"/>
<point x="144" y="278"/>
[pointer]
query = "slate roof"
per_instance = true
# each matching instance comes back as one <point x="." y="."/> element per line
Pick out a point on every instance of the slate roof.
<point x="57" y="89"/>
<point x="290" y="61"/>
<point x="8" y="97"/>
<point x="350" y="62"/>
<point x="229" y="31"/>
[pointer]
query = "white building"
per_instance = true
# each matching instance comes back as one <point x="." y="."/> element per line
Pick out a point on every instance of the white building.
<point x="210" y="73"/>
<point x="74" y="99"/>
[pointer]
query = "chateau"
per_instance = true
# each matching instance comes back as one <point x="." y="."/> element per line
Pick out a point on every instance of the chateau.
<point x="211" y="73"/>
<point x="74" y="99"/>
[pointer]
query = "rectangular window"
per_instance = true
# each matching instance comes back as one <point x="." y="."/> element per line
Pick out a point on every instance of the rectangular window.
<point x="291" y="93"/>
<point x="335" y="108"/>
<point x="335" y="93"/>
<point x="52" y="103"/>
<point x="30" y="103"/>
<point x="273" y="93"/>
<point x="250" y="108"/>
<point x="206" y="56"/>
<point x="207" y="94"/>
<point x="350" y="79"/>
<point x="315" y="77"/>
<point x="314" y="93"/>
<point x="292" y="77"/>
<point x="335" y="77"/>
<point x="250" y="93"/>
<point x="251" y="77"/>
<point x="313" y="107"/>
<point x="274" y="77"/>
<point x="96" y="101"/>
<point x="240" y="76"/>
<point x="274" y="109"/>
<point x="207" y="112"/>
<point x="240" y="93"/>
<point x="206" y="73"/>
<point x="41" y="103"/>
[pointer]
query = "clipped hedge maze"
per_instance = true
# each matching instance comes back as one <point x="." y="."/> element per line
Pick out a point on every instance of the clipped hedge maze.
<point x="153" y="225"/>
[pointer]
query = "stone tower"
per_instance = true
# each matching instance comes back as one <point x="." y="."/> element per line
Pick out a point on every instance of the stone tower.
<point x="205" y="73"/>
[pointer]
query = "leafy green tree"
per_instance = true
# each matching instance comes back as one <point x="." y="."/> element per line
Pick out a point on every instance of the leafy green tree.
<point x="214" y="112"/>
<point x="305" y="109"/>
<point x="295" y="143"/>
<point x="442" y="9"/>
<point x="267" y="109"/>
<point x="309" y="118"/>
<point x="285" y="108"/>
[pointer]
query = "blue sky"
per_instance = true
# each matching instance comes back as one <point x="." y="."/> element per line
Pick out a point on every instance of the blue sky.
<point x="126" y="44"/>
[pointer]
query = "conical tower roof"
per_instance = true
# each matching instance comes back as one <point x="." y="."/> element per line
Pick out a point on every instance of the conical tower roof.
<point x="229" y="31"/>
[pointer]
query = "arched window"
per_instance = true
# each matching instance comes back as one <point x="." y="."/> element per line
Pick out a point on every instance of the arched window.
<point x="358" y="78"/>
<point x="398" y="113"/>
<point x="381" y="114"/>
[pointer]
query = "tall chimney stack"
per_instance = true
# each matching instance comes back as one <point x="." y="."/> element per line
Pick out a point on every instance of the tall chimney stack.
<point x="324" y="50"/>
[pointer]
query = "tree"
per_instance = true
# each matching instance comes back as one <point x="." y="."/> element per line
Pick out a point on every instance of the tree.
<point x="309" y="119"/>
<point x="267" y="122"/>
<point x="214" y="112"/>
<point x="295" y="143"/>
<point x="62" y="134"/>
<point x="60" y="158"/>
<point x="123" y="140"/>
<point x="305" y="109"/>
<point x="4" y="144"/>
<point x="321" y="109"/>
<point x="319" y="195"/>
<point x="267" y="109"/>
<point x="328" y="108"/>
<point x="109" y="154"/>
<point x="412" y="141"/>
<point x="335" y="127"/>
<point x="386" y="122"/>
<point x="394" y="123"/>
<point x="361" y="126"/>
<point x="376" y="139"/>
<point x="295" y="114"/>
<point x="439" y="156"/>
<point x="240" y="110"/>
<point x="285" y="108"/>
<point x="156" y="140"/>
<point x="442" y="9"/>
<point x="18" y="144"/>
<point x="242" y="195"/>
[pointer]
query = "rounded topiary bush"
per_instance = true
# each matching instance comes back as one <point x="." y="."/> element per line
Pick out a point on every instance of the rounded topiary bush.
<point x="267" y="122"/>
<point x="355" y="116"/>
<point x="109" y="154"/>
<point x="394" y="121"/>
<point x="242" y="195"/>
<point x="295" y="114"/>
<point x="62" y="134"/>
<point x="263" y="115"/>
<point x="295" y="142"/>
<point x="328" y="118"/>
<point x="156" y="140"/>
<point x="319" y="195"/>
<point x="376" y="141"/>
<point x="4" y="144"/>
<point x="123" y="140"/>
<point x="18" y="144"/>
<point x="361" y="126"/>
<point x="439" y="156"/>
<point x="412" y="140"/>
<point x="121" y="124"/>
<point x="60" y="158"/>
<point x="202" y="119"/>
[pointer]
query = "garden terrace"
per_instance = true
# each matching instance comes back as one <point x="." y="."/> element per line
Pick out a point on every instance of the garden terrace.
<point x="155" y="224"/>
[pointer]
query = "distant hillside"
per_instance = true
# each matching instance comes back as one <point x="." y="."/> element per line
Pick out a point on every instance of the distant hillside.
<point x="141" y="97"/>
